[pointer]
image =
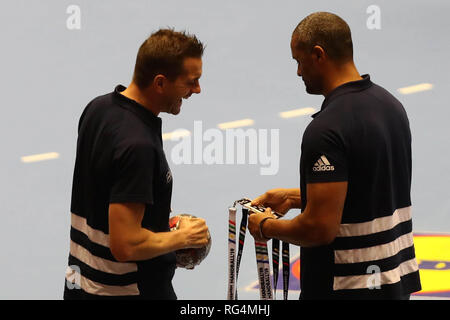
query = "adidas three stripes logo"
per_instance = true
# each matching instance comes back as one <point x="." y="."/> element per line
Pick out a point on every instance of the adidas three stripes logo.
<point x="323" y="165"/>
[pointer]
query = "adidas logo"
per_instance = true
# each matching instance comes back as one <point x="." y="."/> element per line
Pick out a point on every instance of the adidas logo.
<point x="323" y="165"/>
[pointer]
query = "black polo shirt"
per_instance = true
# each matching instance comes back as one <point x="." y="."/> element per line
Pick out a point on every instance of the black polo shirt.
<point x="361" y="135"/>
<point x="120" y="158"/>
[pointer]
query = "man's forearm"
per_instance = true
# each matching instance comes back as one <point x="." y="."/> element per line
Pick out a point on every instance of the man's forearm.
<point x="147" y="245"/>
<point x="300" y="231"/>
<point x="294" y="197"/>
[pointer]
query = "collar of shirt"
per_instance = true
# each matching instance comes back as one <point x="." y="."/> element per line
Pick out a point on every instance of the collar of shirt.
<point x="144" y="114"/>
<point x="345" y="88"/>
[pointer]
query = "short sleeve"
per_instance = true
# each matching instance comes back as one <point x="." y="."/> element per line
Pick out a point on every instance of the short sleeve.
<point x="133" y="173"/>
<point x="324" y="155"/>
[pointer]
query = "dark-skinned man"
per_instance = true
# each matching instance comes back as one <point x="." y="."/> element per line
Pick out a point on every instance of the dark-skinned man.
<point x="355" y="226"/>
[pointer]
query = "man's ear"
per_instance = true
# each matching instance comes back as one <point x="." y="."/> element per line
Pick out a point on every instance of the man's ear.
<point x="318" y="53"/>
<point x="159" y="82"/>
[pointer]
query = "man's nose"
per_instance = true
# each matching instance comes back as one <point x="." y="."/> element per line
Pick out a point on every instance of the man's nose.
<point x="197" y="89"/>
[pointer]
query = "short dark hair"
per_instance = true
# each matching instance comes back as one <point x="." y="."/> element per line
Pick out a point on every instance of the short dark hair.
<point x="328" y="31"/>
<point x="163" y="53"/>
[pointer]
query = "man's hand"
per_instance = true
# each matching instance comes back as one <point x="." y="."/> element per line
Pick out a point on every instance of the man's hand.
<point x="195" y="231"/>
<point x="280" y="200"/>
<point x="254" y="221"/>
<point x="129" y="241"/>
<point x="317" y="225"/>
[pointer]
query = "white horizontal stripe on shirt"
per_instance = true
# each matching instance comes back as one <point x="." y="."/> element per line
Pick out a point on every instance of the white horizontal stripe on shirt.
<point x="97" y="236"/>
<point x="376" y="225"/>
<point x="101" y="264"/>
<point x="96" y="288"/>
<point x="374" y="253"/>
<point x="368" y="280"/>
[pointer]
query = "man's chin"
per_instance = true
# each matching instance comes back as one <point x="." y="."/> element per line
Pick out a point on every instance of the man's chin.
<point x="176" y="108"/>
<point x="176" y="111"/>
<point x="311" y="90"/>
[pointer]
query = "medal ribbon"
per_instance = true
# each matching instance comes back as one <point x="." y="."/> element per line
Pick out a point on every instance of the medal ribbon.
<point x="231" y="253"/>
<point x="242" y="231"/>
<point x="262" y="259"/>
